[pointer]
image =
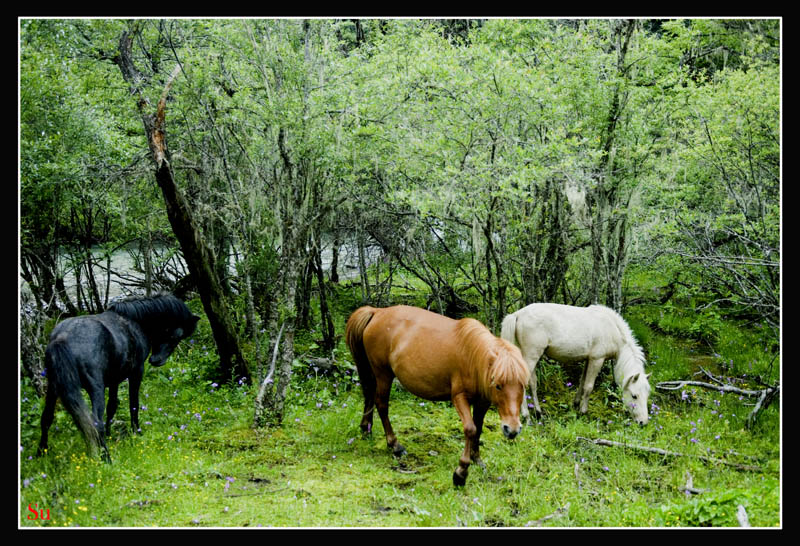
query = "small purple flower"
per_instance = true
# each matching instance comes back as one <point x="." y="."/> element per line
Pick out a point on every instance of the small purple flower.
<point x="569" y="384"/>
<point x="694" y="440"/>
<point x="684" y="396"/>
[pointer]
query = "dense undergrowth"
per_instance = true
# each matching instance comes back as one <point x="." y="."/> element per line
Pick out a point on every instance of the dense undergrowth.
<point x="198" y="462"/>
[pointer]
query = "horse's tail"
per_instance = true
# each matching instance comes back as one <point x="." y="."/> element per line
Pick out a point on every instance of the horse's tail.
<point x="508" y="329"/>
<point x="62" y="371"/>
<point x="354" y="338"/>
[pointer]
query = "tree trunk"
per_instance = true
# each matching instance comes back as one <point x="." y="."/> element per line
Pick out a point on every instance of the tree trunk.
<point x="326" y="321"/>
<point x="334" y="274"/>
<point x="199" y="259"/>
<point x="608" y="227"/>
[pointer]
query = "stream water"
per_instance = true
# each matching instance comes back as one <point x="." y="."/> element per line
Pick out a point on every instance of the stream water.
<point x="124" y="273"/>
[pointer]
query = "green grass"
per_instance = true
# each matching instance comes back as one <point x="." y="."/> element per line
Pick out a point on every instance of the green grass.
<point x="199" y="463"/>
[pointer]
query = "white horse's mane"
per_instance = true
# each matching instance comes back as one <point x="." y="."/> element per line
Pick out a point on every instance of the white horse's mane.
<point x="630" y="359"/>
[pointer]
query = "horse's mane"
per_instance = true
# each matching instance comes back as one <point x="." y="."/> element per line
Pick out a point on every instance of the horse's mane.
<point x="630" y="357"/>
<point x="483" y="347"/>
<point x="161" y="306"/>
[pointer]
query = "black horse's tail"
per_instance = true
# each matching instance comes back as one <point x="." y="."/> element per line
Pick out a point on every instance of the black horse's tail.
<point x="62" y="370"/>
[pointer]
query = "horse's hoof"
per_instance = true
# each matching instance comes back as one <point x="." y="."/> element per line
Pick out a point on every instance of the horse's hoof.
<point x="459" y="481"/>
<point x="399" y="451"/>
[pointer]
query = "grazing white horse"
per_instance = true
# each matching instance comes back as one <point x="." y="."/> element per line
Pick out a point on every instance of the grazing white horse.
<point x="574" y="334"/>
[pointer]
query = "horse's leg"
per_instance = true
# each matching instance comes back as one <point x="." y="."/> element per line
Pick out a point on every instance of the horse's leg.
<point x="532" y="384"/>
<point x="383" y="389"/>
<point x="479" y="410"/>
<point x="587" y="383"/>
<point x="470" y="438"/>
<point x="97" y="396"/>
<point x="368" y="387"/>
<point x="134" y="382"/>
<point x="113" y="404"/>
<point x="47" y="415"/>
<point x="532" y="359"/>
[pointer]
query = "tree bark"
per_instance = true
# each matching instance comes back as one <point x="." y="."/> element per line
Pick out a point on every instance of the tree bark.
<point x="199" y="259"/>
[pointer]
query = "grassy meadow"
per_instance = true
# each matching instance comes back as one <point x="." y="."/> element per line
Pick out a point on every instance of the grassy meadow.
<point x="199" y="463"/>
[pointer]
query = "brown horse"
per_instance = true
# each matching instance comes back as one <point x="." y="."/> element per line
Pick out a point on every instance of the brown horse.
<point x="436" y="358"/>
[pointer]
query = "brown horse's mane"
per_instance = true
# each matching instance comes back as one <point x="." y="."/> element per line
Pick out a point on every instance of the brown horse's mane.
<point x="484" y="347"/>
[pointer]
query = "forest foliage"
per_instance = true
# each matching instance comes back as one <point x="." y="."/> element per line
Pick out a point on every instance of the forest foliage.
<point x="493" y="162"/>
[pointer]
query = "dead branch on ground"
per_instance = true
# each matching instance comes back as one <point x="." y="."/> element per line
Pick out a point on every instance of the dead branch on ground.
<point x="765" y="396"/>
<point x="659" y="451"/>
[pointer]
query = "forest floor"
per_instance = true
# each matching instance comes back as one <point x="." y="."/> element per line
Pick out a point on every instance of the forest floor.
<point x="199" y="462"/>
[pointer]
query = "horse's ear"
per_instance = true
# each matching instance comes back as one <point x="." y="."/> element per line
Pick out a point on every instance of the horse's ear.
<point x="631" y="379"/>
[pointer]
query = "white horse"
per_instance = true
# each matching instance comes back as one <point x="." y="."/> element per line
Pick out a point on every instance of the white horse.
<point x="574" y="334"/>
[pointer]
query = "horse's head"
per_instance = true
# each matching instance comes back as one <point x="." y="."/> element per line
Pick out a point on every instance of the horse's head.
<point x="165" y="341"/>
<point x="507" y="398"/>
<point x="635" y="393"/>
<point x="509" y="375"/>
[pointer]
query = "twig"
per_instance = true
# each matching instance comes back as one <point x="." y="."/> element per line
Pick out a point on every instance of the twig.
<point x="675" y="385"/>
<point x="765" y="396"/>
<point x="610" y="443"/>
<point x="689" y="488"/>
<point x="557" y="514"/>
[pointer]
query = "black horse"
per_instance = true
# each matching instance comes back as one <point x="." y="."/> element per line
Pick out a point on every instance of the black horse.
<point x="98" y="351"/>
